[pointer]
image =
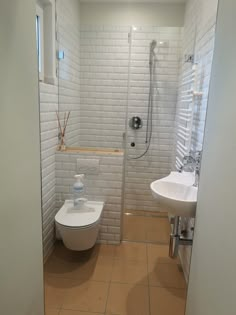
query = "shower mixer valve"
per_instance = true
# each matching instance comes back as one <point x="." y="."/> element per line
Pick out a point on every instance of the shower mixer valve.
<point x="135" y="123"/>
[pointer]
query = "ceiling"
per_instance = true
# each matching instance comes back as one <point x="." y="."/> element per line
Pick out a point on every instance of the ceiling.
<point x="137" y="1"/>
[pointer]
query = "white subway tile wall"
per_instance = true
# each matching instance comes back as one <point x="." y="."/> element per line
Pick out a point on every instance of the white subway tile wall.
<point x="107" y="90"/>
<point x="104" y="53"/>
<point x="68" y="34"/>
<point x="49" y="140"/>
<point x="68" y="37"/>
<point x="158" y="161"/>
<point x="204" y="57"/>
<point x="105" y="186"/>
<point x="198" y="39"/>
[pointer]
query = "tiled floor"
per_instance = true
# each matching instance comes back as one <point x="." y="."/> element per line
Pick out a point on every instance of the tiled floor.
<point x="130" y="279"/>
<point x="143" y="228"/>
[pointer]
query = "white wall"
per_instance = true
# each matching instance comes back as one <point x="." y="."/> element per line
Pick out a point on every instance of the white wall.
<point x="198" y="39"/>
<point x="49" y="141"/>
<point x="212" y="284"/>
<point x="104" y="54"/>
<point x="21" y="263"/>
<point x="145" y="14"/>
<point x="106" y="94"/>
<point x="157" y="162"/>
<point x="68" y="28"/>
<point x="104" y="65"/>
<point x="67" y="100"/>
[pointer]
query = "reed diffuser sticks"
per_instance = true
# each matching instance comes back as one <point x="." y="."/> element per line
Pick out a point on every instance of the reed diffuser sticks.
<point x="62" y="145"/>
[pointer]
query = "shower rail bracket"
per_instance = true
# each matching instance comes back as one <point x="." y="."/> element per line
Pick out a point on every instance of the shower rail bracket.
<point x="189" y="58"/>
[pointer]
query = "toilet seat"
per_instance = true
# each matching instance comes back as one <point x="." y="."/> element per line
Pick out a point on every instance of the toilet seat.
<point x="79" y="228"/>
<point x="88" y="216"/>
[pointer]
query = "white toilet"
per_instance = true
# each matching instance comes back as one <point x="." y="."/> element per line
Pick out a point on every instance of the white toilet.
<point x="78" y="228"/>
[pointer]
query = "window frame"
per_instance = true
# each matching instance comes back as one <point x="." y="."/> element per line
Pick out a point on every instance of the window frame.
<point x="40" y="40"/>
<point x="46" y="10"/>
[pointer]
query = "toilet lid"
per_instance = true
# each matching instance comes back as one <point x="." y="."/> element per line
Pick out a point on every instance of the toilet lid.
<point x="89" y="214"/>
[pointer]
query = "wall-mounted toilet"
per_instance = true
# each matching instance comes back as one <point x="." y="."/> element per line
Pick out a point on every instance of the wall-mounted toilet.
<point x="78" y="228"/>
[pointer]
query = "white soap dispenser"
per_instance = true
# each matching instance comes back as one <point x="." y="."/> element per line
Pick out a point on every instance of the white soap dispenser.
<point x="78" y="191"/>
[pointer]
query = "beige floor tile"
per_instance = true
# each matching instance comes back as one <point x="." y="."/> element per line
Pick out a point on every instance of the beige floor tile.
<point x="131" y="251"/>
<point x="51" y="311"/>
<point x="61" y="253"/>
<point x="146" y="213"/>
<point x="161" y="238"/>
<point x="99" y="269"/>
<point x="70" y="312"/>
<point x="89" y="296"/>
<point x="55" y="290"/>
<point x="133" y="229"/>
<point x="157" y="230"/>
<point x="57" y="267"/>
<point x="166" y="275"/>
<point x="125" y="299"/>
<point x="63" y="262"/>
<point x="95" y="264"/>
<point x="152" y="223"/>
<point x="167" y="301"/>
<point x="130" y="271"/>
<point x="102" y="250"/>
<point x="159" y="254"/>
<point x="148" y="229"/>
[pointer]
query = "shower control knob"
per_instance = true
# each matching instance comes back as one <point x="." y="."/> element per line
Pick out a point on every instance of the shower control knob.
<point x="135" y="123"/>
<point x="132" y="144"/>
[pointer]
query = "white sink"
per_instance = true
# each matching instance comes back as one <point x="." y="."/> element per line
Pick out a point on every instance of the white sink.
<point x="177" y="194"/>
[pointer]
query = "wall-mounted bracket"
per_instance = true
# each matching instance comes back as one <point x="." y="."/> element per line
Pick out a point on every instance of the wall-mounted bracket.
<point x="178" y="238"/>
<point x="189" y="58"/>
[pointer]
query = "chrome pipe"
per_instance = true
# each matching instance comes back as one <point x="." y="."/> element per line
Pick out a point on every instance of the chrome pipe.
<point x="174" y="238"/>
<point x="177" y="238"/>
<point x="173" y="246"/>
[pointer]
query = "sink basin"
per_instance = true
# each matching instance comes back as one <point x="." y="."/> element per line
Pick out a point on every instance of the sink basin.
<point x="176" y="194"/>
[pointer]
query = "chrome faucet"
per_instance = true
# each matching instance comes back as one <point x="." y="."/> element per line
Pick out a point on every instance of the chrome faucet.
<point x="188" y="164"/>
<point x="192" y="163"/>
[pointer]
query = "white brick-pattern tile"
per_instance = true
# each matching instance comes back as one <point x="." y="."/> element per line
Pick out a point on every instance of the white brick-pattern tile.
<point x="157" y="162"/>
<point x="51" y="101"/>
<point x="107" y="92"/>
<point x="104" y="54"/>
<point x="68" y="29"/>
<point x="198" y="39"/>
<point x="49" y="140"/>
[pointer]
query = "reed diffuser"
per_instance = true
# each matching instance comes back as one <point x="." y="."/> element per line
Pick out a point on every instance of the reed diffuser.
<point x="62" y="144"/>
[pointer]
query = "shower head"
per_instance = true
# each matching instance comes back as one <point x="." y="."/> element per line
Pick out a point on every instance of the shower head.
<point x="153" y="45"/>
